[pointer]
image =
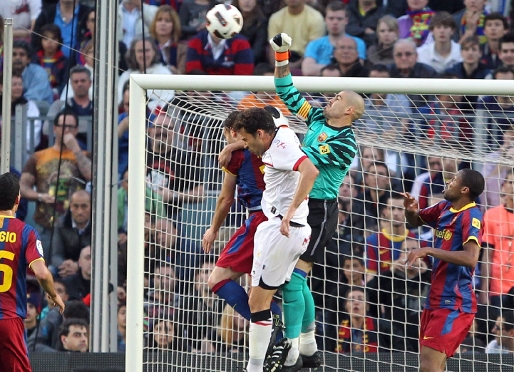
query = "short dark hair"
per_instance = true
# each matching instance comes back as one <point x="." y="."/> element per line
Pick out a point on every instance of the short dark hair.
<point x="507" y="38"/>
<point x="497" y="16"/>
<point x="9" y="191"/>
<point x="64" y="329"/>
<point x="379" y="67"/>
<point x="22" y="44"/>
<point x="379" y="163"/>
<point x="80" y="69"/>
<point x="253" y="119"/>
<point x="448" y="75"/>
<point x="470" y="40"/>
<point x="443" y="19"/>
<point x="503" y="70"/>
<point x="231" y="119"/>
<point x="335" y="6"/>
<point x="76" y="309"/>
<point x="55" y="31"/>
<point x="473" y="180"/>
<point x="357" y="258"/>
<point x="66" y="111"/>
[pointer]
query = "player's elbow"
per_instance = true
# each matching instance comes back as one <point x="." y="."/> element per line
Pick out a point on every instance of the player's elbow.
<point x="40" y="271"/>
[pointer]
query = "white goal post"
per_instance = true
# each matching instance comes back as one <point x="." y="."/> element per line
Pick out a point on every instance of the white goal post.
<point x="182" y="84"/>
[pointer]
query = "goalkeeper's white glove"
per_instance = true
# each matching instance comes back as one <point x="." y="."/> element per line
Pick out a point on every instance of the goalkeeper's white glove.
<point x="278" y="117"/>
<point x="281" y="42"/>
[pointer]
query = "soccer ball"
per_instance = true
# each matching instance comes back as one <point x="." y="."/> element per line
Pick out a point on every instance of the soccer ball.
<point x="224" y="21"/>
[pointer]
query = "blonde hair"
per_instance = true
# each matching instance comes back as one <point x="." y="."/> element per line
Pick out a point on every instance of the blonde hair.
<point x="226" y="327"/>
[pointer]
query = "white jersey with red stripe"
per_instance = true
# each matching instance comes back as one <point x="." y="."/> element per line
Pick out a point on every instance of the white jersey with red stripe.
<point x="281" y="177"/>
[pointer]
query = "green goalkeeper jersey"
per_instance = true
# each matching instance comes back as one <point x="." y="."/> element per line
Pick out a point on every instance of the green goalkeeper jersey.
<point x="332" y="150"/>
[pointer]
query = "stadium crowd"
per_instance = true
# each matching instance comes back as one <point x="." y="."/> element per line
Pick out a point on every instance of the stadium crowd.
<point x="367" y="299"/>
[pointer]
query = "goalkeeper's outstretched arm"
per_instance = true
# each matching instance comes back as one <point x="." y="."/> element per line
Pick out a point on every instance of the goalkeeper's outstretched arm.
<point x="281" y="44"/>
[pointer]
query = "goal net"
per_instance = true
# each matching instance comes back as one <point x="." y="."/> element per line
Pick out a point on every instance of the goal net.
<point x="413" y="138"/>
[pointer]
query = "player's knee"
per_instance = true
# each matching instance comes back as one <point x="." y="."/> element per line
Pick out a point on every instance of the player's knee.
<point x="212" y="281"/>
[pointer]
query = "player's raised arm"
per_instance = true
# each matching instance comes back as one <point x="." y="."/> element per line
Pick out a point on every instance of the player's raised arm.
<point x="411" y="210"/>
<point x="283" y="80"/>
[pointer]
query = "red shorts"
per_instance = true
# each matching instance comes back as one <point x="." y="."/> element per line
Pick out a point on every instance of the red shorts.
<point x="238" y="253"/>
<point x="13" y="348"/>
<point x="444" y="329"/>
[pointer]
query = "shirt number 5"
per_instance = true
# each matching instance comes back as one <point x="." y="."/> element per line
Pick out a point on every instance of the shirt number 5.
<point x="6" y="270"/>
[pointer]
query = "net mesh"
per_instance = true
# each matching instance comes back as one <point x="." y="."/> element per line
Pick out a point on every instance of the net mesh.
<point x="410" y="143"/>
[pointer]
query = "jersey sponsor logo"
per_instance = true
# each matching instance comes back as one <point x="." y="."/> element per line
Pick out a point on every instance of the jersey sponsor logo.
<point x="443" y="234"/>
<point x="322" y="137"/>
<point x="323" y="150"/>
<point x="8" y="237"/>
<point x="475" y="222"/>
<point x="39" y="247"/>
<point x="279" y="143"/>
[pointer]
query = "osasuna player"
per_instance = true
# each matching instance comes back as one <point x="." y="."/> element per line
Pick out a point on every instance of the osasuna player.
<point x="19" y="246"/>
<point x="244" y="172"/>
<point x="279" y="241"/>
<point x="451" y="304"/>
<point x="330" y="145"/>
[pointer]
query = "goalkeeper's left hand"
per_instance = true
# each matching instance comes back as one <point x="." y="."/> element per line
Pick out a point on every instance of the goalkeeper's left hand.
<point x="281" y="42"/>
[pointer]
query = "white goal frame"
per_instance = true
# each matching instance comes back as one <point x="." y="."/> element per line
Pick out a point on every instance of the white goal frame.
<point x="139" y="84"/>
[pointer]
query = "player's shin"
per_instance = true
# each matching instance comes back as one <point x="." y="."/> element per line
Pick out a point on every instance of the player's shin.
<point x="294" y="308"/>
<point x="307" y="338"/>
<point x="259" y="335"/>
<point x="235" y="295"/>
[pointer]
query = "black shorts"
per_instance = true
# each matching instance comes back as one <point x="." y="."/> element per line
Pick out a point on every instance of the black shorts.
<point x="323" y="218"/>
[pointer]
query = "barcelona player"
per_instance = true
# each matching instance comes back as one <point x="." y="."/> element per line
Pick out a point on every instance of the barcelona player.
<point x="244" y="172"/>
<point x="451" y="304"/>
<point x="19" y="247"/>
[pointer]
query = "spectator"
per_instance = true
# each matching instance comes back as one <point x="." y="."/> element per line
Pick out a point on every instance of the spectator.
<point x="445" y="122"/>
<point x="133" y="22"/>
<point x="122" y="327"/>
<point x="496" y="25"/>
<point x="471" y="66"/>
<point x="79" y="284"/>
<point x="435" y="165"/>
<point x="359" y="332"/>
<point x="495" y="173"/>
<point x="367" y="155"/>
<point x="498" y="109"/>
<point x="165" y="30"/>
<point x="24" y="14"/>
<point x="162" y="336"/>
<point x="70" y="16"/>
<point x="80" y="102"/>
<point x="415" y="24"/>
<point x="255" y="26"/>
<point x="347" y="58"/>
<point x="470" y="21"/>
<point x="319" y="52"/>
<point x="41" y="170"/>
<point x="34" y="304"/>
<point x="387" y="34"/>
<point x="443" y="53"/>
<point x="330" y="70"/>
<point x="471" y="345"/>
<point x="261" y="99"/>
<point x="202" y="312"/>
<point x="497" y="260"/>
<point x="209" y="54"/>
<point x="88" y="52"/>
<point x="503" y="329"/>
<point x="88" y="43"/>
<point x="437" y="181"/>
<point x="406" y="62"/>
<point x="506" y="54"/>
<point x="46" y="338"/>
<point x="51" y="58"/>
<point x="143" y="57"/>
<point x="192" y="16"/>
<point x="168" y="168"/>
<point x="33" y="126"/>
<point x="385" y="247"/>
<point x="162" y="300"/>
<point x="231" y="332"/>
<point x="72" y="234"/>
<point x="74" y="335"/>
<point x="363" y="16"/>
<point x="397" y="294"/>
<point x="301" y="22"/>
<point x="36" y="86"/>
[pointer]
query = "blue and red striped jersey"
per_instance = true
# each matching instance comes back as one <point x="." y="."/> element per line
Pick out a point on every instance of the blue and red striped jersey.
<point x="249" y="171"/>
<point x="452" y="285"/>
<point x="19" y="247"/>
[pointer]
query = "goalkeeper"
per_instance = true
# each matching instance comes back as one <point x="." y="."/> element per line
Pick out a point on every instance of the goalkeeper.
<point x="330" y="145"/>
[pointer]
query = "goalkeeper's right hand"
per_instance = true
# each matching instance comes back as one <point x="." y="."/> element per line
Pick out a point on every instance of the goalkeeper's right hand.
<point x="281" y="42"/>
